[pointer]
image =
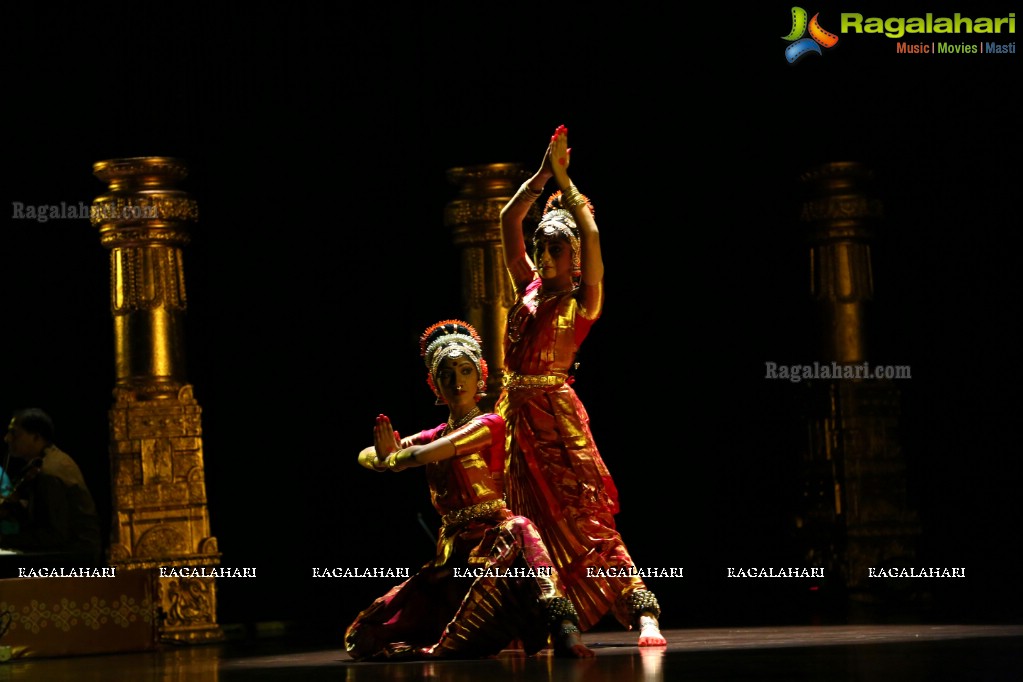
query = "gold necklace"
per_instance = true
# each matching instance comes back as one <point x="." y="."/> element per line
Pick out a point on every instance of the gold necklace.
<point x="463" y="421"/>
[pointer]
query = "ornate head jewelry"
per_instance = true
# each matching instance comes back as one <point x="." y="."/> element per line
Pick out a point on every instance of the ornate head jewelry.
<point x="558" y="223"/>
<point x="451" y="339"/>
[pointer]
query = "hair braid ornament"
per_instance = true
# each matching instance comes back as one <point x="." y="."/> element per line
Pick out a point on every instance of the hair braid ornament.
<point x="452" y="339"/>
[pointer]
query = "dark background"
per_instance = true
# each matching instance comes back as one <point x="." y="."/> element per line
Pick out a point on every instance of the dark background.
<point x="318" y="141"/>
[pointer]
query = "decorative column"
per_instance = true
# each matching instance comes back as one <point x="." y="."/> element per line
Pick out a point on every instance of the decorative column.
<point x="855" y="510"/>
<point x="158" y="486"/>
<point x="474" y="217"/>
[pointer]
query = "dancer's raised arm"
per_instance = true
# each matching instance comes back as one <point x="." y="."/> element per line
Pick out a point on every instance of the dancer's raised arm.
<point x="592" y="264"/>
<point x="514" y="212"/>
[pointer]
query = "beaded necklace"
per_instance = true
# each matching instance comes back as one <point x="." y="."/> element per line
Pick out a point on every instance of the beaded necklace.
<point x="452" y="425"/>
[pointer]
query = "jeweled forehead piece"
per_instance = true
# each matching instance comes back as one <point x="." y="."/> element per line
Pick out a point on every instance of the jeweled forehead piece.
<point x="451" y="340"/>
<point x="453" y="349"/>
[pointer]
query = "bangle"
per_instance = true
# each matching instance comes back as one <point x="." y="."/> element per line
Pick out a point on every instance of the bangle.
<point x="573" y="197"/>
<point x="525" y="192"/>
<point x="392" y="460"/>
<point x="394" y="465"/>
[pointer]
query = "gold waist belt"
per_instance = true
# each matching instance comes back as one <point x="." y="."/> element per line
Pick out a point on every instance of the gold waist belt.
<point x="513" y="380"/>
<point x="472" y="513"/>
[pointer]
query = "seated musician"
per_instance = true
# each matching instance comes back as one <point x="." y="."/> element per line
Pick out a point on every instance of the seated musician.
<point x="49" y="500"/>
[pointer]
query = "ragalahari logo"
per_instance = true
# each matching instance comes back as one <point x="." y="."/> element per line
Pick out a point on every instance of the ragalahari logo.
<point x="801" y="45"/>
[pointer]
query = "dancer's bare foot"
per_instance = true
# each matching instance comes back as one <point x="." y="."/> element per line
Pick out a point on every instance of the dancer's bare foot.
<point x="568" y="642"/>
<point x="650" y="632"/>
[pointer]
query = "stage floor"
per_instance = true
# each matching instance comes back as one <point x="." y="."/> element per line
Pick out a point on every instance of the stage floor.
<point x="894" y="652"/>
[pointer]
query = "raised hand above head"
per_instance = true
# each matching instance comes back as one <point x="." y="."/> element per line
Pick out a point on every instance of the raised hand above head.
<point x="561" y="156"/>
<point x="546" y="167"/>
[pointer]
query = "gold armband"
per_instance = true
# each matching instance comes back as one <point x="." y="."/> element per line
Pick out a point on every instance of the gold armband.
<point x="472" y="437"/>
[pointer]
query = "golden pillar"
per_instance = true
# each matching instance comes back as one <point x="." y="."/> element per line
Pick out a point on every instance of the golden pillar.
<point x="856" y="513"/>
<point x="158" y="486"/>
<point x="474" y="217"/>
<point x="841" y="279"/>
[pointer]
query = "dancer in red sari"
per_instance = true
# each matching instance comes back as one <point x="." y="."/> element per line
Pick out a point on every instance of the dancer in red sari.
<point x="555" y="475"/>
<point x="491" y="580"/>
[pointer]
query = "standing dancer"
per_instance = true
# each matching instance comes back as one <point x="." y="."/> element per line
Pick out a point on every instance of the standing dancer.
<point x="556" y="476"/>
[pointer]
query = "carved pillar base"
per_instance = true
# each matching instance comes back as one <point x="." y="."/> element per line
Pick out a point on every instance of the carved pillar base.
<point x="856" y="513"/>
<point x="160" y="518"/>
<point x="188" y="608"/>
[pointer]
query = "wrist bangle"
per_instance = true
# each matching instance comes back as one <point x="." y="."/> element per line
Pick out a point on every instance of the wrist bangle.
<point x="410" y="459"/>
<point x="573" y="197"/>
<point x="528" y="194"/>
<point x="392" y="460"/>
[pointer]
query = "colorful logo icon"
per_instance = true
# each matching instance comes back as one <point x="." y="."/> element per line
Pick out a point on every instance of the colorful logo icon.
<point x="801" y="45"/>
